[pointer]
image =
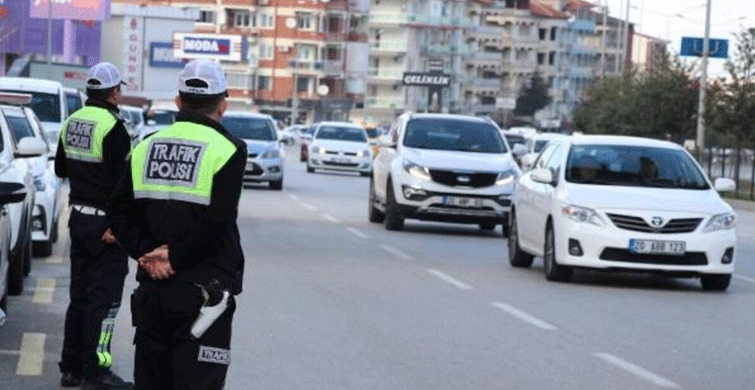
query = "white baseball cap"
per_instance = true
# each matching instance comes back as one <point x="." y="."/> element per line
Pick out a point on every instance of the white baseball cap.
<point x="103" y="76"/>
<point x="202" y="77"/>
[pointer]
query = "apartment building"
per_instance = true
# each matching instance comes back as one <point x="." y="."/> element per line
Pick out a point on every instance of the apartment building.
<point x="421" y="37"/>
<point x="298" y="60"/>
<point x="613" y="52"/>
<point x="647" y="51"/>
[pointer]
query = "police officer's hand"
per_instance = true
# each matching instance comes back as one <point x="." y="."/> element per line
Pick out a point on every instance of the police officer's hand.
<point x="108" y="237"/>
<point x="157" y="263"/>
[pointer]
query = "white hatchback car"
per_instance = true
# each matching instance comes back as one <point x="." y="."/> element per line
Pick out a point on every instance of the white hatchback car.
<point x="265" y="156"/>
<point x="624" y="204"/>
<point x="446" y="168"/>
<point x="340" y="146"/>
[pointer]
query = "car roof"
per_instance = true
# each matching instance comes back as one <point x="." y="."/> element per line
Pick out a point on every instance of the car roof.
<point x="622" y="140"/>
<point x="244" y="114"/>
<point x="29" y="84"/>
<point x="450" y="116"/>
<point x="548" y="136"/>
<point x="15" y="110"/>
<point x="341" y="124"/>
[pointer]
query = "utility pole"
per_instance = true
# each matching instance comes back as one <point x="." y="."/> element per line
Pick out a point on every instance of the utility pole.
<point x="49" y="39"/>
<point x="619" y="39"/>
<point x="626" y="38"/>
<point x="703" y="84"/>
<point x="603" y="40"/>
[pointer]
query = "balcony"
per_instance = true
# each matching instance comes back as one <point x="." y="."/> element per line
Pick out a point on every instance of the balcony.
<point x="444" y="49"/>
<point x="306" y="66"/>
<point x="487" y="56"/>
<point x="583" y="25"/>
<point x="337" y="5"/>
<point x="389" y="76"/>
<point x="418" y="19"/>
<point x="384" y="102"/>
<point x="333" y="67"/>
<point x="483" y="109"/>
<point x="389" y="47"/>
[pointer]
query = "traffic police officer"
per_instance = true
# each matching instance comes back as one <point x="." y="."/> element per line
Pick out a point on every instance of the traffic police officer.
<point x="175" y="211"/>
<point x="92" y="155"/>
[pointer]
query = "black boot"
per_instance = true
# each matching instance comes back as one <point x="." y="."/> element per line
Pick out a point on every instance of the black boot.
<point x="71" y="379"/>
<point x="107" y="381"/>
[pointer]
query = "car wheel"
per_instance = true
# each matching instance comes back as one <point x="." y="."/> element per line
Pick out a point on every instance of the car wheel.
<point x="393" y="218"/>
<point x="310" y="169"/>
<point x="277" y="184"/>
<point x="375" y="215"/>
<point x="553" y="271"/>
<point x="488" y="226"/>
<point x="517" y="258"/>
<point x="27" y="255"/>
<point x="16" y="276"/>
<point x="715" y="282"/>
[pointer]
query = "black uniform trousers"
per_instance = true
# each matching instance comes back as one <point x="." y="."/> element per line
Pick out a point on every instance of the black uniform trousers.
<point x="98" y="271"/>
<point x="167" y="356"/>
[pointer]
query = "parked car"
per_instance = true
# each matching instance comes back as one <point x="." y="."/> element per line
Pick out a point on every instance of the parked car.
<point x="49" y="102"/>
<point x="16" y="162"/>
<point x="75" y="99"/>
<point x="10" y="192"/>
<point x="306" y="139"/>
<point x="373" y="137"/>
<point x="517" y="143"/>
<point x="623" y="203"/>
<point x="295" y="132"/>
<point x="265" y="154"/>
<point x="46" y="212"/>
<point x="340" y="146"/>
<point x="440" y="167"/>
<point x="134" y="117"/>
<point x="535" y="145"/>
<point x="158" y="120"/>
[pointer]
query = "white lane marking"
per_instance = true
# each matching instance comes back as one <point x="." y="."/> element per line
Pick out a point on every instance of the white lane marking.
<point x="330" y="218"/>
<point x="32" y="354"/>
<point x="293" y="197"/>
<point x="395" y="252"/>
<point x="357" y="233"/>
<point x="44" y="291"/>
<point x="636" y="370"/>
<point x="745" y="278"/>
<point x="450" y="280"/>
<point x="524" y="316"/>
<point x="308" y="206"/>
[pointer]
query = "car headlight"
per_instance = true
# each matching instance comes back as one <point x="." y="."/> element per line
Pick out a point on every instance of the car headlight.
<point x="721" y="222"/>
<point x="582" y="214"/>
<point x="506" y="177"/>
<point x="317" y="150"/>
<point x="363" y="153"/>
<point x="416" y="170"/>
<point x="39" y="183"/>
<point x="272" y="153"/>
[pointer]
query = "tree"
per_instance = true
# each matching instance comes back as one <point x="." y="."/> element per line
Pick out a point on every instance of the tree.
<point x="533" y="97"/>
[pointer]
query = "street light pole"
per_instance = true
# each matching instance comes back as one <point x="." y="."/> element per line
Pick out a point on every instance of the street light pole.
<point x="49" y="39"/>
<point x="703" y="84"/>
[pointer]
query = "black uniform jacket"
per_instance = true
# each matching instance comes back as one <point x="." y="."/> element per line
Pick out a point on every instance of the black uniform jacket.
<point x="92" y="183"/>
<point x="203" y="241"/>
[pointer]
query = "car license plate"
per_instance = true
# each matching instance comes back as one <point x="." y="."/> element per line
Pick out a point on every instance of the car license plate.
<point x="655" y="247"/>
<point x="340" y="160"/>
<point x="459" y="201"/>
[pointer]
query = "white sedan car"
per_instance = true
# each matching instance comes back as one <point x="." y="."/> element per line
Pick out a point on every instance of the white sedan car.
<point x="340" y="146"/>
<point x="535" y="145"/>
<point x="623" y="204"/>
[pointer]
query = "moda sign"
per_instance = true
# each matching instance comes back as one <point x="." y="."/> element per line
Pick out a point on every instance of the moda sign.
<point x="216" y="47"/>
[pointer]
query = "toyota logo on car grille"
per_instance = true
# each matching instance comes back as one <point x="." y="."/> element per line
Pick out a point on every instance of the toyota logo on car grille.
<point x="656" y="222"/>
<point x="463" y="179"/>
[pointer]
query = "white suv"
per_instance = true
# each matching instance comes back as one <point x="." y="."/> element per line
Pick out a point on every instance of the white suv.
<point x="624" y="204"/>
<point x="440" y="167"/>
<point x="48" y="102"/>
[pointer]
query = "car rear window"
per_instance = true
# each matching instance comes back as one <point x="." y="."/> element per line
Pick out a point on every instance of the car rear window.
<point x="250" y="128"/>
<point x="341" y="133"/>
<point x="73" y="102"/>
<point x="19" y="127"/>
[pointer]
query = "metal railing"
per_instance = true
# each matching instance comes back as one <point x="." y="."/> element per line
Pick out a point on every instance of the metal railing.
<point x="726" y="162"/>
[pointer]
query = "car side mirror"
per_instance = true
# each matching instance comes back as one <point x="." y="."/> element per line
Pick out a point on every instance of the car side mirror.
<point x="542" y="175"/>
<point x="723" y="184"/>
<point x="12" y="192"/>
<point x="519" y="150"/>
<point x="31" y="147"/>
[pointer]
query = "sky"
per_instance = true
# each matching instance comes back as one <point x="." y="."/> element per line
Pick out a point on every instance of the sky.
<point x="674" y="19"/>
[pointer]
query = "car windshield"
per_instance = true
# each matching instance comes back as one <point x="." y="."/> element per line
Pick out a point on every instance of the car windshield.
<point x="373" y="133"/>
<point x="164" y="117"/>
<point x="45" y="105"/>
<point x="73" y="102"/>
<point x="515" y="140"/>
<point x="136" y="116"/>
<point x="19" y="126"/>
<point x="250" y="128"/>
<point x="539" y="145"/>
<point x="341" y="133"/>
<point x="635" y="166"/>
<point x="453" y="134"/>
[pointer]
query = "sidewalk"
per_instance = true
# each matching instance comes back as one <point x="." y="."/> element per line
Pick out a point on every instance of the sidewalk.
<point x="740" y="204"/>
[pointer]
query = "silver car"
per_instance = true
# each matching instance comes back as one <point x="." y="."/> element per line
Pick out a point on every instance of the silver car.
<point x="265" y="155"/>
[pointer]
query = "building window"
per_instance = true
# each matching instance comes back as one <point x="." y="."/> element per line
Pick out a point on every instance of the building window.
<point x="304" y="21"/>
<point x="242" y="19"/>
<point x="266" y="50"/>
<point x="540" y="58"/>
<point x="543" y="33"/>
<point x="238" y="80"/>
<point x="306" y="53"/>
<point x="264" y="83"/>
<point x="553" y="33"/>
<point x="552" y="58"/>
<point x="266" y="20"/>
<point x="206" y="16"/>
<point x="302" y="85"/>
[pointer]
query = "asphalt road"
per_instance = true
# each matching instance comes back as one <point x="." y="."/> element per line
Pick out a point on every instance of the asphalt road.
<point x="334" y="302"/>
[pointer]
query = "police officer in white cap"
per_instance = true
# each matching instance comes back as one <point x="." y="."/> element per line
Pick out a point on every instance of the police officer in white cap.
<point x="92" y="155"/>
<point x="175" y="211"/>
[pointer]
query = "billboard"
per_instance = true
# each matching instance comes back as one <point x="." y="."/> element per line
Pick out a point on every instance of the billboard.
<point x="98" y="10"/>
<point x="161" y="56"/>
<point x="208" y="46"/>
<point x="132" y="52"/>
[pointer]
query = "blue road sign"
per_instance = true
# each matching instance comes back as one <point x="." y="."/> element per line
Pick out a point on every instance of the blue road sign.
<point x="693" y="47"/>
